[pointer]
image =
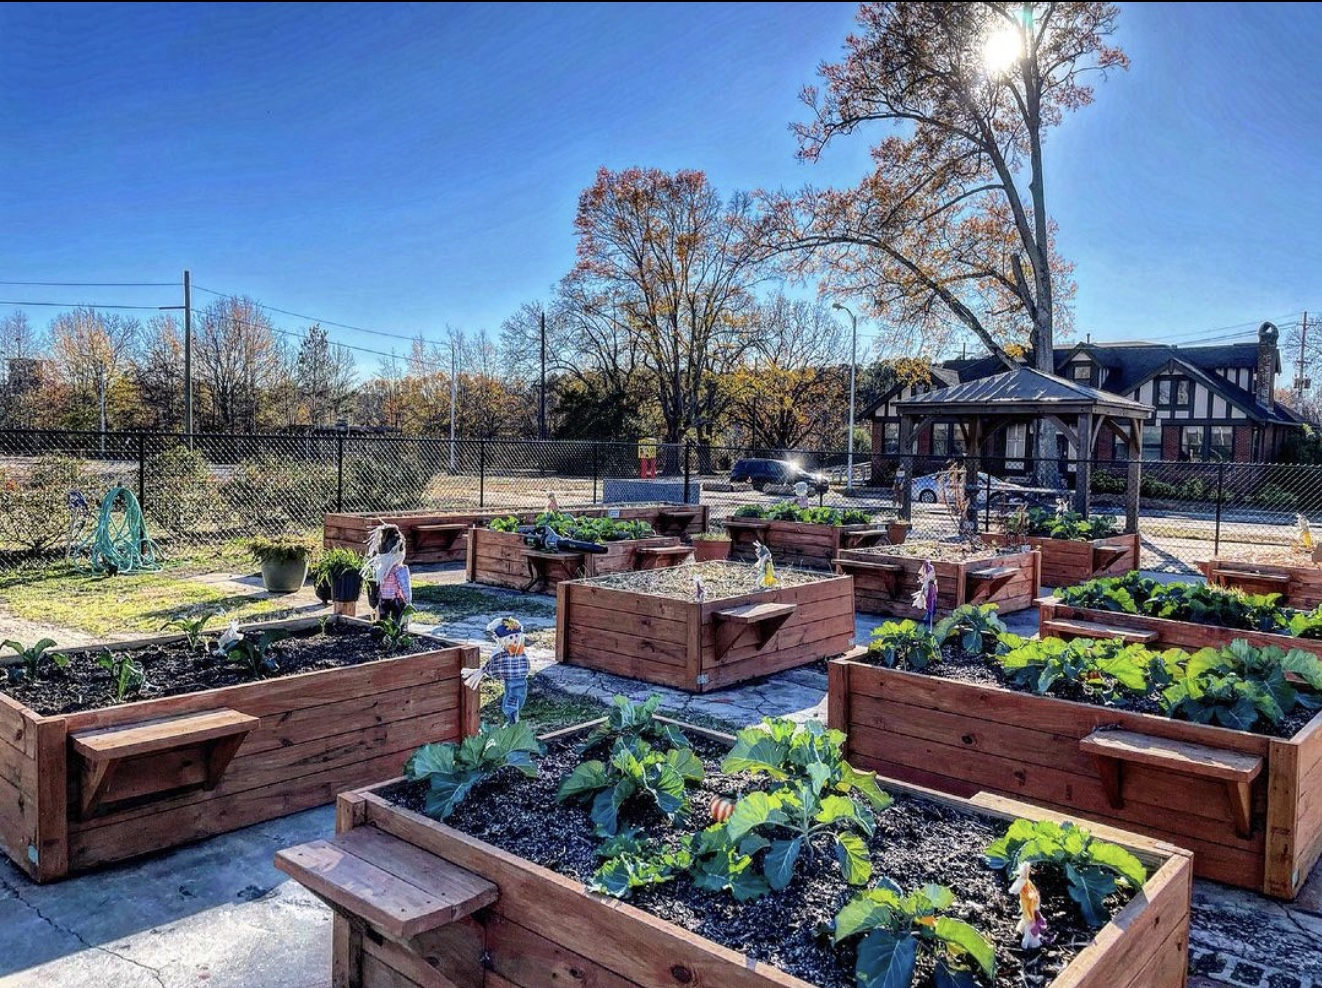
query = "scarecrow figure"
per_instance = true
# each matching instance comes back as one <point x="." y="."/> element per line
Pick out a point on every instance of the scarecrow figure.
<point x="552" y="505"/>
<point x="925" y="598"/>
<point x="509" y="665"/>
<point x="699" y="589"/>
<point x="1032" y="924"/>
<point x="801" y="494"/>
<point x="1305" y="533"/>
<point x="764" y="567"/>
<point x="384" y="566"/>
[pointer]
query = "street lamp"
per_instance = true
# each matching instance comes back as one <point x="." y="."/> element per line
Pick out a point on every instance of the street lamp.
<point x="853" y="363"/>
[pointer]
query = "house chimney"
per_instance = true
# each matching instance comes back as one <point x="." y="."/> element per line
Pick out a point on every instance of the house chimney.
<point x="1265" y="381"/>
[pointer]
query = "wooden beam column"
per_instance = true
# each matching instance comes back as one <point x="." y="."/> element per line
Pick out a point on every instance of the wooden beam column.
<point x="1083" y="465"/>
<point x="1135" y="480"/>
<point x="905" y="507"/>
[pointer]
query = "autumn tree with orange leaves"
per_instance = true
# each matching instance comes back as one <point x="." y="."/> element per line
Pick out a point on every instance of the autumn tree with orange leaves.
<point x="667" y="258"/>
<point x="950" y="232"/>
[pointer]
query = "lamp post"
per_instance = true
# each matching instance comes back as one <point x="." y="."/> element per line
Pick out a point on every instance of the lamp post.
<point x="853" y="364"/>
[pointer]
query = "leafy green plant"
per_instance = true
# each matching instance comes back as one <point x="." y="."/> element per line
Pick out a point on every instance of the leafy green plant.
<point x="279" y="549"/>
<point x="750" y="511"/>
<point x="784" y="511"/>
<point x="977" y="628"/>
<point x="628" y="720"/>
<point x="1123" y="594"/>
<point x="895" y="926"/>
<point x="452" y="769"/>
<point x="394" y="633"/>
<point x="1199" y="603"/>
<point x="127" y="677"/>
<point x="30" y="659"/>
<point x="904" y="645"/>
<point x="635" y="769"/>
<point x="335" y="563"/>
<point x="192" y="627"/>
<point x="1108" y="669"/>
<point x="855" y="516"/>
<point x="1306" y="624"/>
<point x="631" y="863"/>
<point x="1237" y="685"/>
<point x="1062" y="524"/>
<point x="1092" y="869"/>
<point x="784" y="752"/>
<point x="254" y="653"/>
<point x="821" y="515"/>
<point x="507" y="523"/>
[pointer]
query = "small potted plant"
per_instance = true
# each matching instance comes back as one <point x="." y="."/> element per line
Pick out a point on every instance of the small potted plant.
<point x="897" y="531"/>
<point x="284" y="562"/>
<point x="708" y="546"/>
<point x="340" y="571"/>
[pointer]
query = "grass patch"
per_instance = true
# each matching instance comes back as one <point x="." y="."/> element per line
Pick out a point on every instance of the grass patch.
<point x="547" y="708"/>
<point x="441" y="602"/>
<point x="138" y="603"/>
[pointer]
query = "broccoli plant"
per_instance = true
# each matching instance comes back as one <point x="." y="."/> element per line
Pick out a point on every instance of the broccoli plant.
<point x="452" y="769"/>
<point x="506" y="523"/>
<point x="1124" y="594"/>
<point x="632" y="863"/>
<point x="976" y="627"/>
<point x="1107" y="669"/>
<point x="394" y="633"/>
<point x="1092" y="869"/>
<point x="895" y="926"/>
<point x="635" y="769"/>
<point x="1237" y="685"/>
<point x="192" y="628"/>
<point x="254" y="654"/>
<point x="127" y="677"/>
<point x="30" y="659"/>
<point x="628" y="720"/>
<point x="904" y="645"/>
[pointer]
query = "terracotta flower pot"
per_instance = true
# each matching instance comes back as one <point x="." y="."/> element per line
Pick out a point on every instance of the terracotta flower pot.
<point x="709" y="550"/>
<point x="897" y="532"/>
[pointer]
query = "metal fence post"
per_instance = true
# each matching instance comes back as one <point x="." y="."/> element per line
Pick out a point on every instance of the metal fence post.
<point x="339" y="471"/>
<point x="1220" y="490"/>
<point x="688" y="470"/>
<point x="596" y="447"/>
<point x="142" y="469"/>
<point x="481" y="473"/>
<point x="986" y="507"/>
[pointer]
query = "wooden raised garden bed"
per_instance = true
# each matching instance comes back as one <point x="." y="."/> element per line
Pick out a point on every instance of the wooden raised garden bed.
<point x="503" y="559"/>
<point x="797" y="543"/>
<point x="84" y="789"/>
<point x="1244" y="803"/>
<point x="441" y="536"/>
<point x="1060" y="620"/>
<point x="1066" y="562"/>
<point x="1299" y="585"/>
<point x="673" y="640"/>
<point x="886" y="580"/>
<point x="418" y="904"/>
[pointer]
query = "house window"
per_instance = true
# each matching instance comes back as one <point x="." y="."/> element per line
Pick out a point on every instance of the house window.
<point x="890" y="437"/>
<point x="1016" y="445"/>
<point x="1221" y="444"/>
<point x="1152" y="441"/>
<point x="1119" y="447"/>
<point x="1081" y="374"/>
<point x="1173" y="392"/>
<point x="1191" y="442"/>
<point x="947" y="440"/>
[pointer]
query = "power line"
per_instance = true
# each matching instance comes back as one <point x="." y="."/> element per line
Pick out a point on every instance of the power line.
<point x="94" y="284"/>
<point x="80" y="305"/>
<point x="322" y="322"/>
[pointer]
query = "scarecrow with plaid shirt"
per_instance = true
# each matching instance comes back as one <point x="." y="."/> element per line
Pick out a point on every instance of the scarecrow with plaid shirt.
<point x="509" y="665"/>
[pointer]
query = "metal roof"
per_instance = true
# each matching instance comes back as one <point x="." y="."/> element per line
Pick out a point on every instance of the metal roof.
<point x="1023" y="391"/>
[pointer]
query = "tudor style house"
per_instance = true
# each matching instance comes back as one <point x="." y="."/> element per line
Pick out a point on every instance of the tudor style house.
<point x="1210" y="403"/>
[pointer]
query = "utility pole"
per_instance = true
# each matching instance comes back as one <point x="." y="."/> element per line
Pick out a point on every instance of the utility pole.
<point x="1299" y="382"/>
<point x="454" y="396"/>
<point x="188" y="354"/>
<point x="853" y="365"/>
<point x="541" y="394"/>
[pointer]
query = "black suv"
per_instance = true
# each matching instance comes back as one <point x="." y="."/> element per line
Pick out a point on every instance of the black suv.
<point x="776" y="473"/>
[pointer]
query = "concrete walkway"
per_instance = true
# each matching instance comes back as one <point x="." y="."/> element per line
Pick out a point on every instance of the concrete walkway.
<point x="218" y="914"/>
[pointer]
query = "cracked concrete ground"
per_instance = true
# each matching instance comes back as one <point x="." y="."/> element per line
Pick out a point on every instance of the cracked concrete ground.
<point x="218" y="913"/>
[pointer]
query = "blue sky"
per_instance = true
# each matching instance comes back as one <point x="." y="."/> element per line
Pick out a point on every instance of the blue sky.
<point x="407" y="167"/>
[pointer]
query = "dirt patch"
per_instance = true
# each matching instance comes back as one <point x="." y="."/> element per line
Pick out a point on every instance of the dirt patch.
<point x="947" y="552"/>
<point x="917" y="842"/>
<point x="175" y="668"/>
<point x="719" y="580"/>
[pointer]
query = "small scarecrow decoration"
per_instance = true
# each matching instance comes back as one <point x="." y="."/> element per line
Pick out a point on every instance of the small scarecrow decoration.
<point x="1305" y="533"/>
<point x="699" y="589"/>
<point x="801" y="494"/>
<point x="764" y="567"/>
<point x="925" y="598"/>
<point x="509" y="664"/>
<point x="552" y="505"/>
<point x="384" y="566"/>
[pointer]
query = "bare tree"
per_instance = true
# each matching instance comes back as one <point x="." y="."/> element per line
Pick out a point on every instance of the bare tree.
<point x="159" y="373"/>
<point x="324" y="374"/>
<point x="236" y="358"/>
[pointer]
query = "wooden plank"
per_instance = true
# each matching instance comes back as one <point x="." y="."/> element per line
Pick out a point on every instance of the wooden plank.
<point x="406" y="964"/>
<point x="1178" y="756"/>
<point x="531" y="960"/>
<point x="838" y="696"/>
<point x="146" y="737"/>
<point x="378" y="974"/>
<point x="370" y="886"/>
<point x="1095" y="629"/>
<point x="751" y="614"/>
<point x="52" y="838"/>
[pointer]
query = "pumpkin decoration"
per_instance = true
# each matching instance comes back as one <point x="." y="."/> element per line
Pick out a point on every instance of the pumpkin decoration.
<point x="721" y="808"/>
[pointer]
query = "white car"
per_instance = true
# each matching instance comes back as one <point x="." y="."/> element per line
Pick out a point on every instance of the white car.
<point x="932" y="488"/>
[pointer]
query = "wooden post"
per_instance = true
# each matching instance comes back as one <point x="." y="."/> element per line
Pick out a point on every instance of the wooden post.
<point x="1135" y="478"/>
<point x="1083" y="465"/>
<point x="906" y="465"/>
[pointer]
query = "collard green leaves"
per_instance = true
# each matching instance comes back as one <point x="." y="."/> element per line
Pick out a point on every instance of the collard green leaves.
<point x="452" y="769"/>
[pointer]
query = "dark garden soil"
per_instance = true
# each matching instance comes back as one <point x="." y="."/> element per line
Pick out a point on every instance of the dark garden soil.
<point x="917" y="842"/>
<point x="982" y="670"/>
<point x="175" y="668"/>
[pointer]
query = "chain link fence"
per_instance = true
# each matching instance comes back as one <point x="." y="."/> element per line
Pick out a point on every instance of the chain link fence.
<point x="206" y="491"/>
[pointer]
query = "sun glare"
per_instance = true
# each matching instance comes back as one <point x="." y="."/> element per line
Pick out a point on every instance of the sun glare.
<point x="1002" y="50"/>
